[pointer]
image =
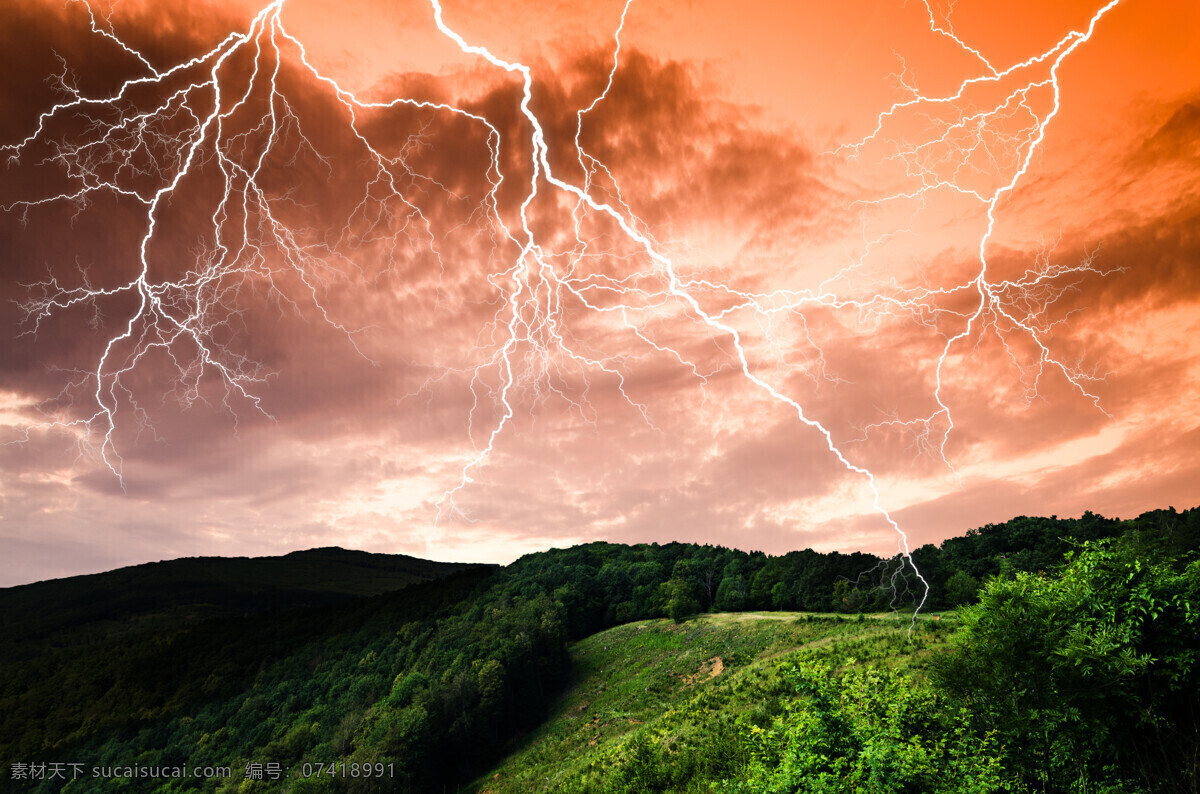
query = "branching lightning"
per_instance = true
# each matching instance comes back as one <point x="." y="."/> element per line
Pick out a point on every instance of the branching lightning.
<point x="225" y="115"/>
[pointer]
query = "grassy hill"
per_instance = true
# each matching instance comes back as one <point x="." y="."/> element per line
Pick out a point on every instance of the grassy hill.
<point x="671" y="683"/>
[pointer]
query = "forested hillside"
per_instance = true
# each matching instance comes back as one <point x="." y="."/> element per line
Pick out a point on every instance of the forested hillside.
<point x="1086" y="679"/>
<point x="431" y="685"/>
<point x="162" y="595"/>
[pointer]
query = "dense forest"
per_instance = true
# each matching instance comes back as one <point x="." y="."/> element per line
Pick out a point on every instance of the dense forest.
<point x="81" y="610"/>
<point x="1075" y="669"/>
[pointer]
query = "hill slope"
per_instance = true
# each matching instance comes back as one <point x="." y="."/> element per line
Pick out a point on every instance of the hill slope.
<point x="80" y="610"/>
<point x="678" y="684"/>
<point x="433" y="685"/>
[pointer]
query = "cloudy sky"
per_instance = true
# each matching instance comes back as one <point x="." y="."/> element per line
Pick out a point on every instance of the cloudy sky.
<point x="770" y="276"/>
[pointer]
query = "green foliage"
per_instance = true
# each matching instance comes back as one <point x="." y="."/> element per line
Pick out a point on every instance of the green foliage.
<point x="162" y="596"/>
<point x="731" y="594"/>
<point x="681" y="603"/>
<point x="651" y="710"/>
<point x="1038" y="544"/>
<point x="961" y="588"/>
<point x="1089" y="678"/>
<point x="868" y="730"/>
<point x="443" y="678"/>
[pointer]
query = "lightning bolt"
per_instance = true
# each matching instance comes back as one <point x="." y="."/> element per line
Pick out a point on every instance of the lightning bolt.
<point x="225" y="115"/>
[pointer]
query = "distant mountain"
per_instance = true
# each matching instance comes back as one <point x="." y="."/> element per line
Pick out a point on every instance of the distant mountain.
<point x="82" y="610"/>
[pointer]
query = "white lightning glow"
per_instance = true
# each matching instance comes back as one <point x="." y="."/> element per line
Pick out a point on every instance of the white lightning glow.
<point x="226" y="113"/>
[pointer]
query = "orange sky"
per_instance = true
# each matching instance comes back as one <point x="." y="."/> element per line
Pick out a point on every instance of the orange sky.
<point x="332" y="332"/>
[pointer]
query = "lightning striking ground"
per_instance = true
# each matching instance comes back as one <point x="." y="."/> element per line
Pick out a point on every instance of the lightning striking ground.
<point x="225" y="115"/>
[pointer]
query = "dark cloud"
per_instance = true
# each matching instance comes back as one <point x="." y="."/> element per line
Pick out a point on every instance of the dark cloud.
<point x="375" y="357"/>
<point x="1178" y="138"/>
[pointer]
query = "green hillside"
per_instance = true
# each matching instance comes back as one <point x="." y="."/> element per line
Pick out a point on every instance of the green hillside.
<point x="80" y="610"/>
<point x="1071" y="664"/>
<point x="673" y="685"/>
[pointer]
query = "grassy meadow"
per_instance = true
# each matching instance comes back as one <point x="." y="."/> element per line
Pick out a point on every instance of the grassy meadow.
<point x="670" y="682"/>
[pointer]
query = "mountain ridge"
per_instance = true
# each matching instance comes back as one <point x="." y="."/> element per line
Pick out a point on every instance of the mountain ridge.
<point x="88" y="608"/>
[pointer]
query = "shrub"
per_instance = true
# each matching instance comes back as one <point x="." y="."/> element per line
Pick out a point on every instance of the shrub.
<point x="869" y="730"/>
<point x="1089" y="678"/>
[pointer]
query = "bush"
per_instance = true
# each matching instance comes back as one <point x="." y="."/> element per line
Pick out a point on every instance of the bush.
<point x="1088" y="678"/>
<point x="869" y="730"/>
<point x="961" y="588"/>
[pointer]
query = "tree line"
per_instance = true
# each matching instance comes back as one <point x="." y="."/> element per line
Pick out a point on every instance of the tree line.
<point x="439" y="679"/>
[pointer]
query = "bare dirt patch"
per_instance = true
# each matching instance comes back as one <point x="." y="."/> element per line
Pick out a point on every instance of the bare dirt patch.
<point x="709" y="668"/>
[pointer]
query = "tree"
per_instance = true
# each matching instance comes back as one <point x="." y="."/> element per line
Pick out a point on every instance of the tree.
<point x="779" y="596"/>
<point x="961" y="588"/>
<point x="708" y="579"/>
<point x="847" y="597"/>
<point x="681" y="603"/>
<point x="731" y="594"/>
<point x="1090" y="679"/>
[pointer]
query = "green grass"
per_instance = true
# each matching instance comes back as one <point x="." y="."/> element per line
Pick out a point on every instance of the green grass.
<point x="669" y="682"/>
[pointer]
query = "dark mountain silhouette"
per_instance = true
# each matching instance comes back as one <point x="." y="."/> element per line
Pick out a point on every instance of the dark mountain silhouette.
<point x="81" y="610"/>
